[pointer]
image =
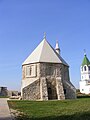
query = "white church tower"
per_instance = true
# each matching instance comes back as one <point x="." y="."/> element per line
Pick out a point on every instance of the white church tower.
<point x="85" y="76"/>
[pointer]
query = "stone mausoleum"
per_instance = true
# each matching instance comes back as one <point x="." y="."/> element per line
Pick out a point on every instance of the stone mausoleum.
<point x="45" y="75"/>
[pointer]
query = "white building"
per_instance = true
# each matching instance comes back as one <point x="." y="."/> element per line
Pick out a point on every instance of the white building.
<point x="85" y="76"/>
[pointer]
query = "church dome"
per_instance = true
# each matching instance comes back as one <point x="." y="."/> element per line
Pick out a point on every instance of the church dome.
<point x="85" y="61"/>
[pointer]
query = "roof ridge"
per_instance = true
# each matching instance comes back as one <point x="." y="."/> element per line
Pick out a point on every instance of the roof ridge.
<point x="42" y="48"/>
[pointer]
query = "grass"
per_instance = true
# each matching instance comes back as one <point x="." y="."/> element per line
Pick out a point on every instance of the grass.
<point x="78" y="109"/>
<point x="4" y="97"/>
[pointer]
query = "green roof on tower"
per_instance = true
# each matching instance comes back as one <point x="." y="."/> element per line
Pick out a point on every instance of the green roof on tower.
<point x="85" y="61"/>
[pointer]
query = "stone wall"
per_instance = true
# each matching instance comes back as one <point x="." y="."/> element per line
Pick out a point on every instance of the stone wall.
<point x="65" y="73"/>
<point x="43" y="89"/>
<point x="51" y="82"/>
<point x="32" y="91"/>
<point x="60" y="89"/>
<point x="70" y="91"/>
<point x="50" y="69"/>
<point x="53" y="75"/>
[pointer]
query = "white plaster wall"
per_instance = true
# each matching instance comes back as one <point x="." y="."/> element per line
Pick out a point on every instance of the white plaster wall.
<point x="85" y="76"/>
<point x="84" y="73"/>
<point x="84" y="87"/>
<point x="87" y="89"/>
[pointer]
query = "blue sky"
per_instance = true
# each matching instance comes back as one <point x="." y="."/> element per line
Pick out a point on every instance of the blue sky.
<point x="22" y="24"/>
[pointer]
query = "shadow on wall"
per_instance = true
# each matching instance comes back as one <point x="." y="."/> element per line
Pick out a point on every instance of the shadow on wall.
<point x="77" y="116"/>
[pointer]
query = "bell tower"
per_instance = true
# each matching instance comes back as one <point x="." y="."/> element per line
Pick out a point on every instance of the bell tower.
<point x="85" y="68"/>
<point x="85" y="75"/>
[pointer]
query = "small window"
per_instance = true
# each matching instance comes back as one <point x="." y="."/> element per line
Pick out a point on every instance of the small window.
<point x="85" y="68"/>
<point x="82" y="89"/>
<point x="28" y="71"/>
<point x="89" y="68"/>
<point x="31" y="71"/>
<point x="89" y="76"/>
<point x="82" y="77"/>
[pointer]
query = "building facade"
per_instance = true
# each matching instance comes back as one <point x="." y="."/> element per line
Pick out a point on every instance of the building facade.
<point x="45" y="75"/>
<point x="85" y="76"/>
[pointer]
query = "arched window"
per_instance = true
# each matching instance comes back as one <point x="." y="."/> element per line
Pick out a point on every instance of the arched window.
<point x="89" y="68"/>
<point x="84" y="68"/>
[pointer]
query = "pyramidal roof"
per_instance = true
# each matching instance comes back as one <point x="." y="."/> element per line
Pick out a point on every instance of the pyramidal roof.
<point x="44" y="52"/>
<point x="85" y="61"/>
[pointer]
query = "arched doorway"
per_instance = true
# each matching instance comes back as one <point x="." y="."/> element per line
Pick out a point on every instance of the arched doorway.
<point x="52" y="93"/>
